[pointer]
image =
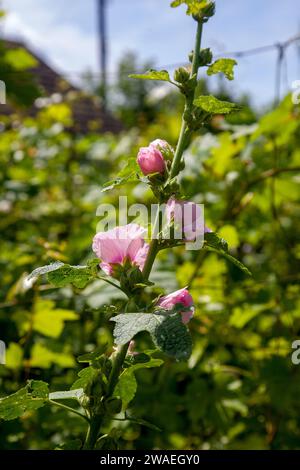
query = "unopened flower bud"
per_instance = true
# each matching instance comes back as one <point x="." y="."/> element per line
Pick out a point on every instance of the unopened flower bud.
<point x="151" y="160"/>
<point x="206" y="12"/>
<point x="191" y="56"/>
<point x="205" y="57"/>
<point x="181" y="75"/>
<point x="180" y="297"/>
<point x="160" y="144"/>
<point x="209" y="10"/>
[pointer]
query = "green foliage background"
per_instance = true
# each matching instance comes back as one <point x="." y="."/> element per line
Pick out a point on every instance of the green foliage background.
<point x="239" y="389"/>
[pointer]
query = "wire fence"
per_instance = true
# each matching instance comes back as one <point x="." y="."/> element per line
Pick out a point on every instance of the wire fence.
<point x="279" y="47"/>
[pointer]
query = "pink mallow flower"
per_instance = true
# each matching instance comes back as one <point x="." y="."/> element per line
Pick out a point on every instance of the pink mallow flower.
<point x="187" y="218"/>
<point x="151" y="160"/>
<point x="121" y="244"/>
<point x="181" y="296"/>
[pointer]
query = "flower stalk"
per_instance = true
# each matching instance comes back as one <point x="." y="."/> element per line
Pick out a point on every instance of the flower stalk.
<point x="185" y="132"/>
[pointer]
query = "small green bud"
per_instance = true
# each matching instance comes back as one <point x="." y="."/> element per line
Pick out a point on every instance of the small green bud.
<point x="205" y="57"/>
<point x="85" y="401"/>
<point x="209" y="10"/>
<point x="188" y="116"/>
<point x="206" y="12"/>
<point x="181" y="75"/>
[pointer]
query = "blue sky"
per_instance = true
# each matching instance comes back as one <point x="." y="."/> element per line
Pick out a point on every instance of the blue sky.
<point x="65" y="33"/>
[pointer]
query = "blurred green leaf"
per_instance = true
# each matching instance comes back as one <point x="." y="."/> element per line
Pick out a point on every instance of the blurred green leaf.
<point x="86" y="378"/>
<point x="19" y="59"/>
<point x="127" y="385"/>
<point x="161" y="75"/>
<point x="212" y="105"/>
<point x="128" y="174"/>
<point x="194" y="7"/>
<point x="220" y="246"/>
<point x="224" y="66"/>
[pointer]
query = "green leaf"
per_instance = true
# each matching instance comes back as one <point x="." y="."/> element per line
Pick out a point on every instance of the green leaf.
<point x="43" y="357"/>
<point x="214" y="241"/>
<point x="49" y="320"/>
<point x="126" y="388"/>
<point x="212" y="105"/>
<point x="128" y="174"/>
<point x="29" y="398"/>
<point x="60" y="274"/>
<point x="127" y="384"/>
<point x="86" y="378"/>
<point x="161" y="75"/>
<point x="194" y="7"/>
<point x="224" y="66"/>
<point x="45" y="269"/>
<point x="75" y="394"/>
<point x="166" y="330"/>
<point x="92" y="356"/>
<point x="219" y="245"/>
<point x="177" y="3"/>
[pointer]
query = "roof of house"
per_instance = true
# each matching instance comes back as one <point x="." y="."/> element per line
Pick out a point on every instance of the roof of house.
<point x="88" y="113"/>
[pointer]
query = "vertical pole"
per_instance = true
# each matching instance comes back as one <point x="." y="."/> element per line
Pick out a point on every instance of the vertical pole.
<point x="280" y="57"/>
<point x="103" y="48"/>
<point x="298" y="49"/>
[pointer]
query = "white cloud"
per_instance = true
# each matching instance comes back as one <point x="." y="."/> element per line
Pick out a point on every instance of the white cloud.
<point x="64" y="45"/>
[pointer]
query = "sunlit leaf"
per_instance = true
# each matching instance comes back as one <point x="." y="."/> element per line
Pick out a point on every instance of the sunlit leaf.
<point x="49" y="320"/>
<point x="43" y="357"/>
<point x="212" y="105"/>
<point x="67" y="394"/>
<point x="161" y="75"/>
<point x="195" y="7"/>
<point x="224" y="66"/>
<point x="19" y="59"/>
<point x="60" y="274"/>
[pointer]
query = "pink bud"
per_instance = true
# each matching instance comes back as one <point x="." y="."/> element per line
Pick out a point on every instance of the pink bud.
<point x="181" y="296"/>
<point x="187" y="217"/>
<point x="151" y="160"/>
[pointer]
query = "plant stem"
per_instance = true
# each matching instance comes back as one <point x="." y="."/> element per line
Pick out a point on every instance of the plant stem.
<point x="93" y="432"/>
<point x="195" y="63"/>
<point x="116" y="368"/>
<point x="184" y="132"/>
<point x="96" y="420"/>
<point x="121" y="352"/>
<point x="153" y="250"/>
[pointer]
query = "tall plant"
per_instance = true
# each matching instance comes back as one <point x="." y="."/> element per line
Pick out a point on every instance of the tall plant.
<point x="107" y="384"/>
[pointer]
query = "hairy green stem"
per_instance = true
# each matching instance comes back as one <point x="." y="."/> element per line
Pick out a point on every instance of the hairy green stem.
<point x="184" y="132"/>
<point x="93" y="432"/>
